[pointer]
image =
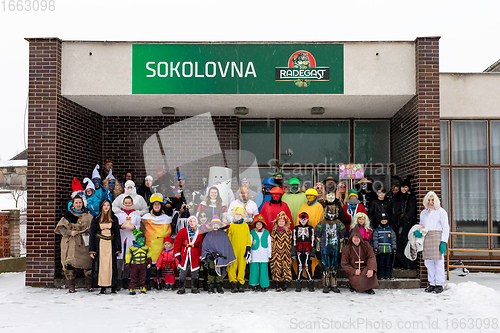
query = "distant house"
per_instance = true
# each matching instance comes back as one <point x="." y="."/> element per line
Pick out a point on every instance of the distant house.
<point x="13" y="171"/>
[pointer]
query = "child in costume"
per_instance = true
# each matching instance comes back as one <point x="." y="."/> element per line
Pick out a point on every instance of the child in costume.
<point x="261" y="252"/>
<point x="363" y="222"/>
<point x="351" y="208"/>
<point x="329" y="238"/>
<point x="92" y="200"/>
<point x="384" y="243"/>
<point x="138" y="260"/>
<point x="281" y="258"/>
<point x="303" y="250"/>
<point x="187" y="251"/>
<point x="239" y="235"/>
<point x="217" y="253"/>
<point x="165" y="266"/>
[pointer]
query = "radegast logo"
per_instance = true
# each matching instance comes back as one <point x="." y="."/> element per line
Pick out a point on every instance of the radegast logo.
<point x="302" y="70"/>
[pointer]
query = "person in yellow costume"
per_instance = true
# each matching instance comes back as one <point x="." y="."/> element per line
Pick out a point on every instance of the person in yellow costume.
<point x="316" y="214"/>
<point x="294" y="199"/>
<point x="239" y="235"/>
<point x="156" y="225"/>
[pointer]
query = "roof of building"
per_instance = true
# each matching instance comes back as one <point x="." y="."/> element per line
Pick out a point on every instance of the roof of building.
<point x="493" y="68"/>
<point x="13" y="163"/>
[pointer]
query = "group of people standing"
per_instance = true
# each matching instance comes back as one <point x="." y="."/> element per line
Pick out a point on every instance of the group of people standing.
<point x="137" y="237"/>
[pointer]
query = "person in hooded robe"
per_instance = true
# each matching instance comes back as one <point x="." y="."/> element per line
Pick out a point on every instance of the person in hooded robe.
<point x="359" y="263"/>
<point x="141" y="207"/>
<point x="145" y="190"/>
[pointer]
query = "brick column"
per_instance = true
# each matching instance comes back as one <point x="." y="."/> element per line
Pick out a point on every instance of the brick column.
<point x="4" y="235"/>
<point x="429" y="150"/>
<point x="44" y="89"/>
<point x="15" y="232"/>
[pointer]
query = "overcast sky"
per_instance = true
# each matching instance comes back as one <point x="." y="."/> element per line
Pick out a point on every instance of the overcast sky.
<point x="468" y="30"/>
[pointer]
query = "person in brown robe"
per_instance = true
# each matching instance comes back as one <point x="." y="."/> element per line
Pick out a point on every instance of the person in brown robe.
<point x="359" y="263"/>
<point x="74" y="228"/>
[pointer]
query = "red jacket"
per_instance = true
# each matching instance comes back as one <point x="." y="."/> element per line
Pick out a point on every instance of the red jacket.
<point x="188" y="248"/>
<point x="165" y="256"/>
<point x="270" y="211"/>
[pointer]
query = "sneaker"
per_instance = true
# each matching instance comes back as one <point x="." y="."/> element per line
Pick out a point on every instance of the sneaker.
<point x="143" y="290"/>
<point x="131" y="291"/>
<point x="264" y="290"/>
<point x="335" y="289"/>
<point x="241" y="288"/>
<point x="438" y="289"/>
<point x="103" y="291"/>
<point x="370" y="291"/>
<point x="430" y="289"/>
<point x="220" y="290"/>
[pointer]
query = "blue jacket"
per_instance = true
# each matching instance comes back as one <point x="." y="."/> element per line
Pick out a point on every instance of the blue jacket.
<point x="384" y="239"/>
<point x="93" y="203"/>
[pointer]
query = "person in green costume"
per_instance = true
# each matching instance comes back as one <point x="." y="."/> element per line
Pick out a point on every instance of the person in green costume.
<point x="294" y="199"/>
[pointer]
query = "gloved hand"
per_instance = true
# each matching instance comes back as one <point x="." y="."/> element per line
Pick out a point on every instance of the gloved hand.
<point x="442" y="248"/>
<point x="210" y="257"/>
<point x="376" y="251"/>
<point x="247" y="253"/>
<point x="418" y="234"/>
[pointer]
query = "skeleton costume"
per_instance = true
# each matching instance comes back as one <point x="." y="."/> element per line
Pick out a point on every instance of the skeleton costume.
<point x="303" y="250"/>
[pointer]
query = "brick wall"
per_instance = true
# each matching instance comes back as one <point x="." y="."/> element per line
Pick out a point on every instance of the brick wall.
<point x="63" y="139"/>
<point x="4" y="235"/>
<point x="192" y="144"/>
<point x="415" y="136"/>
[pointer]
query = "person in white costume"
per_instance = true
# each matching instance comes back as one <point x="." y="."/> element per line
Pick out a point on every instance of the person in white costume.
<point x="243" y="201"/>
<point x="435" y="220"/>
<point x="141" y="207"/>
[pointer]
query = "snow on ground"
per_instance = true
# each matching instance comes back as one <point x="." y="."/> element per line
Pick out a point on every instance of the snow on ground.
<point x="469" y="304"/>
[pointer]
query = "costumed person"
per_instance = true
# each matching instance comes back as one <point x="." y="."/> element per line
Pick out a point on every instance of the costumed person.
<point x="341" y="193"/>
<point x="213" y="205"/>
<point x="316" y="214"/>
<point x="77" y="190"/>
<point x="351" y="208"/>
<point x="379" y="206"/>
<point x="145" y="189"/>
<point x="360" y="264"/>
<point x="281" y="257"/>
<point x="108" y="167"/>
<point x="100" y="192"/>
<point x="264" y="195"/>
<point x="74" y="228"/>
<point x="273" y="207"/>
<point x="114" y="188"/>
<point x="246" y="203"/>
<point x="104" y="247"/>
<point x="239" y="235"/>
<point x="303" y="251"/>
<point x="294" y="198"/>
<point x="384" y="246"/>
<point x="365" y="192"/>
<point x="245" y="182"/>
<point x="330" y="185"/>
<point x="394" y="190"/>
<point x="156" y="226"/>
<point x="217" y="253"/>
<point x="187" y="251"/>
<point x="92" y="200"/>
<point x="404" y="217"/>
<point x="362" y="221"/>
<point x="129" y="175"/>
<point x="138" y="261"/>
<point x="260" y="255"/>
<point x="435" y="219"/>
<point x="141" y="206"/>
<point x="330" y="235"/>
<point x="320" y="188"/>
<point x="278" y="179"/>
<point x="129" y="221"/>
<point x="165" y="265"/>
<point x="179" y="211"/>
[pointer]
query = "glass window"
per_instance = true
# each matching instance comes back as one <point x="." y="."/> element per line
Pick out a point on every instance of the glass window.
<point x="257" y="137"/>
<point x="314" y="142"/>
<point x="255" y="176"/>
<point x="495" y="205"/>
<point x="469" y="142"/>
<point x="372" y="141"/>
<point x="495" y="142"/>
<point x="470" y="206"/>
<point x="445" y="142"/>
<point x="445" y="189"/>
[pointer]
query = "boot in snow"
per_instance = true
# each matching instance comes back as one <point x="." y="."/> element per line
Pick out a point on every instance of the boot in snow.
<point x="299" y="286"/>
<point x="194" y="286"/>
<point x="220" y="290"/>
<point x="234" y="287"/>
<point x="182" y="288"/>
<point x="71" y="286"/>
<point x="310" y="285"/>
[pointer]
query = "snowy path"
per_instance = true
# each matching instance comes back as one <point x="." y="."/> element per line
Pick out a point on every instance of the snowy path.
<point x="469" y="304"/>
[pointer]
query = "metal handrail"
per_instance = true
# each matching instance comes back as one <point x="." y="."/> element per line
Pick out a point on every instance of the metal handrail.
<point x="448" y="250"/>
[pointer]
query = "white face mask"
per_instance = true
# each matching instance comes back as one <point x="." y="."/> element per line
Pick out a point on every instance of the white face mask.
<point x="130" y="191"/>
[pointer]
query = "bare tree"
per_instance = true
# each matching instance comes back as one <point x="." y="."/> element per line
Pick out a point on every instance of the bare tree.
<point x="17" y="193"/>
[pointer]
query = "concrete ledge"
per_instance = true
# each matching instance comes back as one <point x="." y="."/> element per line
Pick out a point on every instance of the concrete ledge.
<point x="12" y="264"/>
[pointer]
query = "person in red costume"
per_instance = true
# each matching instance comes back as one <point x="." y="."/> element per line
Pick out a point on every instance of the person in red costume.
<point x="272" y="208"/>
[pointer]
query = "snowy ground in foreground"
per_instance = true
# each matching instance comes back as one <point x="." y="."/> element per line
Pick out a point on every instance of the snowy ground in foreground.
<point x="469" y="304"/>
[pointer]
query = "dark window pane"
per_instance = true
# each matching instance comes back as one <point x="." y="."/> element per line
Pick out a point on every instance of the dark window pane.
<point x="372" y="141"/>
<point x="257" y="137"/>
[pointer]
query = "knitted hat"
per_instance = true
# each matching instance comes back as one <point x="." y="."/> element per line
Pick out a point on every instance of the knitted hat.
<point x="76" y="186"/>
<point x="148" y="177"/>
<point x="238" y="210"/>
<point x="95" y="173"/>
<point x="353" y="192"/>
<point x="168" y="239"/>
<point x="89" y="183"/>
<point x="384" y="216"/>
